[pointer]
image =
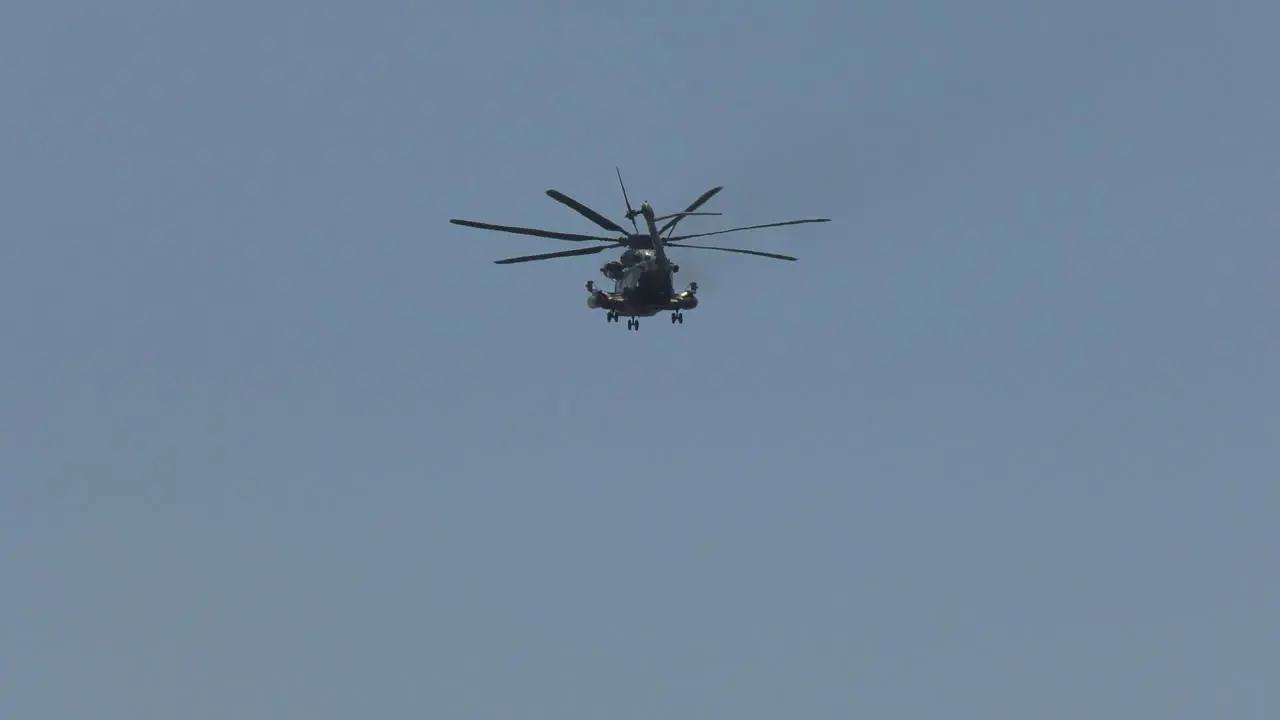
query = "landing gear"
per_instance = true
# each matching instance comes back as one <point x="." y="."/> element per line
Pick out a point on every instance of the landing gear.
<point x="677" y="317"/>
<point x="591" y="286"/>
<point x="611" y="316"/>
<point x="633" y="324"/>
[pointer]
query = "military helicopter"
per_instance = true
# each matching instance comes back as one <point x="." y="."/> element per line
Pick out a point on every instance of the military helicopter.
<point x="643" y="282"/>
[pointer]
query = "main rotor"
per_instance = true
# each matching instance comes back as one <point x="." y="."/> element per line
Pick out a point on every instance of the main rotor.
<point x="635" y="240"/>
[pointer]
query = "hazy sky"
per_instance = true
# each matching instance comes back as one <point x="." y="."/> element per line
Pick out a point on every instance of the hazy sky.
<point x="277" y="441"/>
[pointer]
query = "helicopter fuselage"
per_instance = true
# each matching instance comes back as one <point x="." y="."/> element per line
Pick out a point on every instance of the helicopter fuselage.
<point x="642" y="287"/>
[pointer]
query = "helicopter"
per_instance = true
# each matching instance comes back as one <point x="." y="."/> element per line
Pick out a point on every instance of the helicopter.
<point x="643" y="276"/>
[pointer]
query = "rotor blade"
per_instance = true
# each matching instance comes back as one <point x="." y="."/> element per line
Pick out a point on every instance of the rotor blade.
<point x="736" y="250"/>
<point x="694" y="206"/>
<point x="682" y="214"/>
<point x="630" y="214"/>
<point x="749" y="227"/>
<point x="530" y="231"/>
<point x="547" y="256"/>
<point x="586" y="212"/>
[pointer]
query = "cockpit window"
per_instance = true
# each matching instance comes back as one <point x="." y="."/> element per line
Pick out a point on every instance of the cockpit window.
<point x="630" y="278"/>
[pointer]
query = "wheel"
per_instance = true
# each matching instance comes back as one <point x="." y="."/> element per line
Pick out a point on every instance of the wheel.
<point x="673" y="317"/>
<point x="681" y="318"/>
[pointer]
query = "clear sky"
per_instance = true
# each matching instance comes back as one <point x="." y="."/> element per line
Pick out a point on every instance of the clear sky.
<point x="277" y="441"/>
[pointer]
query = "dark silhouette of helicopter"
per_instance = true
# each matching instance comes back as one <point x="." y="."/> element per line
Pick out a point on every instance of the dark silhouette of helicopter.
<point x="643" y="277"/>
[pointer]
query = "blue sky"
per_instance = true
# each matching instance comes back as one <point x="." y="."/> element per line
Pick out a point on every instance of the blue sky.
<point x="278" y="441"/>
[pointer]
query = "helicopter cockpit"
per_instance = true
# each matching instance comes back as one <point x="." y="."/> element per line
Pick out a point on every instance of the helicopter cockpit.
<point x="630" y="278"/>
<point x="628" y="270"/>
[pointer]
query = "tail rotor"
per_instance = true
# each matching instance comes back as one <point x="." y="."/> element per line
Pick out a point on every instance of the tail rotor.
<point x="631" y="212"/>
